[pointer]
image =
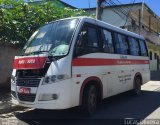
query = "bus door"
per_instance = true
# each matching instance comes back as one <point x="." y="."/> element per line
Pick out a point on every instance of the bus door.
<point x="158" y="62"/>
<point x="84" y="63"/>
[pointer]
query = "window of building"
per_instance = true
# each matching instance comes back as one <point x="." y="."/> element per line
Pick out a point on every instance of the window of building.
<point x="150" y="55"/>
<point x="107" y="42"/>
<point x="143" y="48"/>
<point x="121" y="45"/>
<point x="155" y="55"/>
<point x="134" y="46"/>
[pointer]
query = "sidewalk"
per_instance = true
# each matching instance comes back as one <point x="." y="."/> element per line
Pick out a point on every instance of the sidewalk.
<point x="5" y="103"/>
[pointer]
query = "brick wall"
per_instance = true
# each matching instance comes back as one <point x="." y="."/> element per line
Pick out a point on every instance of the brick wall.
<point x="6" y="61"/>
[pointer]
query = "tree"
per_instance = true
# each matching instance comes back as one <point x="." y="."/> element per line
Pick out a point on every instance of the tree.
<point x="99" y="9"/>
<point x="18" y="20"/>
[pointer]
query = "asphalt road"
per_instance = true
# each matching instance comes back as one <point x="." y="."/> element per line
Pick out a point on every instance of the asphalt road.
<point x="113" y="110"/>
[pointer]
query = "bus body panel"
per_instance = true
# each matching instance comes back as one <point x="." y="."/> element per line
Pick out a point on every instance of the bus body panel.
<point x="116" y="78"/>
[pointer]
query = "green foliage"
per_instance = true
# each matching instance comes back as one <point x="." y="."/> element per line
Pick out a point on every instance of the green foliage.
<point x="18" y="20"/>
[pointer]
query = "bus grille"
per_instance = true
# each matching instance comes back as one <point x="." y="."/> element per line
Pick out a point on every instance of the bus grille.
<point x="28" y="82"/>
<point x="27" y="97"/>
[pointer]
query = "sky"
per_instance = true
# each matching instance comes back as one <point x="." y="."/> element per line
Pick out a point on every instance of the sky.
<point x="153" y="4"/>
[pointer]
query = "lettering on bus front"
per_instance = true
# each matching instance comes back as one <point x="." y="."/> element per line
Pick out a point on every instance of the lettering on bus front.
<point x="29" y="61"/>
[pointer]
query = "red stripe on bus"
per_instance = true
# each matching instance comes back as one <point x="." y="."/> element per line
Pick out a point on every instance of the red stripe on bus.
<point x="29" y="63"/>
<point x="103" y="62"/>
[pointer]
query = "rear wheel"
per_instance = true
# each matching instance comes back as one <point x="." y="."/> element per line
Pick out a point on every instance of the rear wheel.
<point x="137" y="86"/>
<point x="90" y="97"/>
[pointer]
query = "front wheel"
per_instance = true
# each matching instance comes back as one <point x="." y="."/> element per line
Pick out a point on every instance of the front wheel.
<point x="89" y="103"/>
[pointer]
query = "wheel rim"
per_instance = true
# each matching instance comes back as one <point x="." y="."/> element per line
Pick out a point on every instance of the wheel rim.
<point x="92" y="100"/>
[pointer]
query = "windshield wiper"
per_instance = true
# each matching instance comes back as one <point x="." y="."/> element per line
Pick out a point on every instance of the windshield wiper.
<point x="50" y="56"/>
<point x="40" y="52"/>
<point x="56" y="57"/>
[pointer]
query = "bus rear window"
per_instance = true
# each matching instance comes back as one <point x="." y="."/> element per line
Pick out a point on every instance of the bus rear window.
<point x="143" y="48"/>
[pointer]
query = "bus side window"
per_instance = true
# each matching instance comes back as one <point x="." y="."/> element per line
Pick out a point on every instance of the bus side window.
<point x="107" y="42"/>
<point x="80" y="48"/>
<point x="134" y="46"/>
<point x="143" y="48"/>
<point x="121" y="44"/>
<point x="93" y="45"/>
<point x="87" y="42"/>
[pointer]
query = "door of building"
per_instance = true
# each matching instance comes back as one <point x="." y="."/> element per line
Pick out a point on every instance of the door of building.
<point x="158" y="61"/>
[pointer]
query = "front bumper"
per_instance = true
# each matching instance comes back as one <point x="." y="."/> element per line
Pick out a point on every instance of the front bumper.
<point x="62" y="89"/>
<point x="39" y="105"/>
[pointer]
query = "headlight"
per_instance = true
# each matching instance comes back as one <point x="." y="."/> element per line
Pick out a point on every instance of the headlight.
<point x="47" y="79"/>
<point x="54" y="78"/>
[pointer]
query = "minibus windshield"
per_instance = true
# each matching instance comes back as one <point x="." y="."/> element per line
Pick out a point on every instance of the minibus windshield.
<point x="53" y="38"/>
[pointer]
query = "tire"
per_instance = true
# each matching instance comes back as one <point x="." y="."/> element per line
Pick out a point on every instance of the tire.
<point x="90" y="99"/>
<point x="137" y="86"/>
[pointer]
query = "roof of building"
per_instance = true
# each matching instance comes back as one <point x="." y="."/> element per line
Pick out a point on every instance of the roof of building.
<point x="67" y="5"/>
<point x="124" y="5"/>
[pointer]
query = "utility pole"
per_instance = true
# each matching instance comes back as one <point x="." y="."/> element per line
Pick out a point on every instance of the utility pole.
<point x="141" y="17"/>
<point x="99" y="9"/>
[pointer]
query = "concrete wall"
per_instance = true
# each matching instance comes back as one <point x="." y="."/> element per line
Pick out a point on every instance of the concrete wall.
<point x="6" y="61"/>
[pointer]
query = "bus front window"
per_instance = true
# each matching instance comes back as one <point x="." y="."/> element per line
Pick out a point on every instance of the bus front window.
<point x="54" y="38"/>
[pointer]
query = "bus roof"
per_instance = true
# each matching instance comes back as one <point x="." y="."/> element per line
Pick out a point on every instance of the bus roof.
<point x="111" y="27"/>
<point x="107" y="26"/>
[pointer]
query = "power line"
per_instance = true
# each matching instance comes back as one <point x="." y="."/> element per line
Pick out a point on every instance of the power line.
<point x="129" y="12"/>
<point x="119" y="3"/>
<point x="119" y="10"/>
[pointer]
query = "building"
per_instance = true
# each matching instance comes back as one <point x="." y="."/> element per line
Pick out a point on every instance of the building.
<point x="138" y="18"/>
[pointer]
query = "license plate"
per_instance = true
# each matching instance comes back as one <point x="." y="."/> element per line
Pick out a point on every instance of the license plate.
<point x="23" y="90"/>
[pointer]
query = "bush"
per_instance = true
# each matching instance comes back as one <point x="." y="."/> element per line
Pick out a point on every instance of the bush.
<point x="18" y="20"/>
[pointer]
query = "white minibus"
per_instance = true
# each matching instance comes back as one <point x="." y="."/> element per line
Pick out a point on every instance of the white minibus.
<point x="78" y="62"/>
